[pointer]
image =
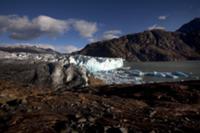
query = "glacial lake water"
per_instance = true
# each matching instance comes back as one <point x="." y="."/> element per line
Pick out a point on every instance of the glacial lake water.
<point x="192" y="68"/>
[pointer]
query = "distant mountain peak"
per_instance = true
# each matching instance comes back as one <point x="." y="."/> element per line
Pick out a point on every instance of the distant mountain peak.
<point x="28" y="49"/>
<point x="193" y="25"/>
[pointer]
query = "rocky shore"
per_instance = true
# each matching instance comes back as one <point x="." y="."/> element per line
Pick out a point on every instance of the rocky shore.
<point x="163" y="107"/>
<point x="50" y="93"/>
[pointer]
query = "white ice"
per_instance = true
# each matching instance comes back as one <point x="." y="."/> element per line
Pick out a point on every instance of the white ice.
<point x="94" y="64"/>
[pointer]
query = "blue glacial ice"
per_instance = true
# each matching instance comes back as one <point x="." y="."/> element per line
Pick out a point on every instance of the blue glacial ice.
<point x="111" y="70"/>
<point x="128" y="76"/>
<point x="180" y="74"/>
<point x="155" y="74"/>
<point x="94" y="64"/>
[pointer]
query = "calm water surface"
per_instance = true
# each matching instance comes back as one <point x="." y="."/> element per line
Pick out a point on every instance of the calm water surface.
<point x="190" y="67"/>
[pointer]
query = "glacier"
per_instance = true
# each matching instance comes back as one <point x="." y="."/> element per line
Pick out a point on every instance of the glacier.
<point x="94" y="64"/>
<point x="109" y="70"/>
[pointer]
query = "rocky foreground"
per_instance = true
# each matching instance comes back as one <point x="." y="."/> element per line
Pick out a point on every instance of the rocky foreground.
<point x="164" y="107"/>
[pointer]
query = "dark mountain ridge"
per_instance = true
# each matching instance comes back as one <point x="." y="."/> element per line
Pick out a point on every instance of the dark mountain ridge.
<point x="152" y="45"/>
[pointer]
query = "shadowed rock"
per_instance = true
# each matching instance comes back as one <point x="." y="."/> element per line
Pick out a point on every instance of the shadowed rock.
<point x="53" y="75"/>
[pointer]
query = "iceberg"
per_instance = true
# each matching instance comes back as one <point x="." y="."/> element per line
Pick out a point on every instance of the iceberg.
<point x="174" y="75"/>
<point x="136" y="72"/>
<point x="155" y="74"/>
<point x="180" y="74"/>
<point x="170" y="75"/>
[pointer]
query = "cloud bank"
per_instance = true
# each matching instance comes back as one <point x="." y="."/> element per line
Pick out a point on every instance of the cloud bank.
<point x="156" y="27"/>
<point x="23" y="28"/>
<point x="86" y="29"/>
<point x="162" y="17"/>
<point x="111" y="34"/>
<point x="107" y="35"/>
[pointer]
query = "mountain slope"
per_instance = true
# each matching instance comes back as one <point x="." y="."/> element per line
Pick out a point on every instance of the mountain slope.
<point x="27" y="49"/>
<point x="154" y="45"/>
<point x="191" y="34"/>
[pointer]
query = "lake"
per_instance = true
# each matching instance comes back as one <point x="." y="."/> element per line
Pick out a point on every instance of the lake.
<point x="192" y="68"/>
<point x="151" y="72"/>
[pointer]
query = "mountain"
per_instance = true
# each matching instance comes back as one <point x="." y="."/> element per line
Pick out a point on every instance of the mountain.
<point x="27" y="49"/>
<point x="192" y="26"/>
<point x="191" y="34"/>
<point x="152" y="45"/>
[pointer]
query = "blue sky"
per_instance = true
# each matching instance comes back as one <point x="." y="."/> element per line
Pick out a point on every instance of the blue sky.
<point x="76" y="23"/>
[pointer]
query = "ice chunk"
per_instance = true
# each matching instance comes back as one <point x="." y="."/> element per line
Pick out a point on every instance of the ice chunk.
<point x="170" y="75"/>
<point x="156" y="74"/>
<point x="180" y="74"/>
<point x="136" y="72"/>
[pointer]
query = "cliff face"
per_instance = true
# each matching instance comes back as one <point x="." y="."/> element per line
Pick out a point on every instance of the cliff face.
<point x="154" y="45"/>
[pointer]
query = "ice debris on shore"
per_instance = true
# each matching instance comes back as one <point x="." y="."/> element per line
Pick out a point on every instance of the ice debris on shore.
<point x="135" y="76"/>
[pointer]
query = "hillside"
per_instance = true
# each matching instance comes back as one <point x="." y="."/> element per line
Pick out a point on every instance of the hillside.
<point x="152" y="45"/>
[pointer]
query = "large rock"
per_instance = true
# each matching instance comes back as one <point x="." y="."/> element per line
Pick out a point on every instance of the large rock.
<point x="53" y="75"/>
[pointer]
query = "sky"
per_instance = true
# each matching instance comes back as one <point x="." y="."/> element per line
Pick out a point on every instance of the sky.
<point x="69" y="25"/>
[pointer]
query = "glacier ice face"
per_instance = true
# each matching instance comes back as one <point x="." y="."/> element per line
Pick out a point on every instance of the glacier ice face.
<point x="94" y="64"/>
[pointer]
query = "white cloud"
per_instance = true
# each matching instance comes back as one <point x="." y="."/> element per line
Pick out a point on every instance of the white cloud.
<point x="22" y="28"/>
<point x="70" y="49"/>
<point x="111" y="34"/>
<point x="46" y="46"/>
<point x="91" y="40"/>
<point x="156" y="27"/>
<point x="86" y="29"/>
<point x="51" y="25"/>
<point x="162" y="17"/>
<point x="65" y="48"/>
